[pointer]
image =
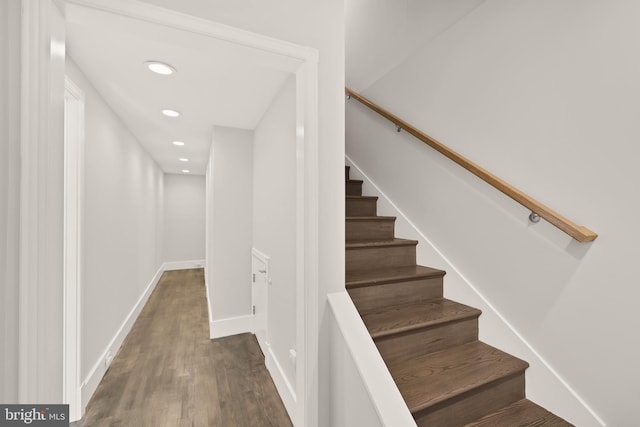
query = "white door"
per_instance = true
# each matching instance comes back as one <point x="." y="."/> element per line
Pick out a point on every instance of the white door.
<point x="260" y="298"/>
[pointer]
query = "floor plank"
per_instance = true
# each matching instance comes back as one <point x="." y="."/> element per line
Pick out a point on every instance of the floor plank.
<point x="169" y="373"/>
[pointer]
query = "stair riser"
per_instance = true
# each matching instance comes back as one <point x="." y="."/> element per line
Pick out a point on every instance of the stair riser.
<point x="369" y="297"/>
<point x="361" y="207"/>
<point x="473" y="405"/>
<point x="370" y="230"/>
<point x="359" y="259"/>
<point x="353" y="188"/>
<point x="400" y="347"/>
<point x="522" y="413"/>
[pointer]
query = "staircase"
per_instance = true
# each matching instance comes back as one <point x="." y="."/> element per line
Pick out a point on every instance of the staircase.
<point x="430" y="344"/>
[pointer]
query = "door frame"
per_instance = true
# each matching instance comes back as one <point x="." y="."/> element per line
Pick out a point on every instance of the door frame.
<point x="40" y="302"/>
<point x="74" y="104"/>
<point x="307" y="174"/>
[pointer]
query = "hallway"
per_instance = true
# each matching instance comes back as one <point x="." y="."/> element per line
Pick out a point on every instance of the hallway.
<point x="169" y="373"/>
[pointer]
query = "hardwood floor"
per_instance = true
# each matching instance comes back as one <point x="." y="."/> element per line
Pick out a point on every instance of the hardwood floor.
<point x="169" y="373"/>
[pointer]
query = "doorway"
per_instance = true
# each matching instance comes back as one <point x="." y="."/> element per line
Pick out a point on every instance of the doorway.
<point x="303" y="63"/>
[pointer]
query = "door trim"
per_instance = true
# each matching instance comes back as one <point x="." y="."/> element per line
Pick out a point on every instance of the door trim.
<point x="41" y="202"/>
<point x="73" y="215"/>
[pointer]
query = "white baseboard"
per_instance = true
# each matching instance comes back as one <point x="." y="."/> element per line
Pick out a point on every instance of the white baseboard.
<point x="285" y="390"/>
<point x="183" y="265"/>
<point x="232" y="326"/>
<point x="206" y="292"/>
<point x="544" y="384"/>
<point x="89" y="385"/>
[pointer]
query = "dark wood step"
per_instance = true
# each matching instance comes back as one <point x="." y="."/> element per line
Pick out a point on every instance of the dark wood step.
<point x="523" y="413"/>
<point x="370" y="228"/>
<point x="406" y="317"/>
<point x="411" y="330"/>
<point x="346" y="172"/>
<point x="372" y="255"/>
<point x="361" y="206"/>
<point x="359" y="279"/>
<point x="459" y="385"/>
<point x="353" y="187"/>
<point x="394" y="286"/>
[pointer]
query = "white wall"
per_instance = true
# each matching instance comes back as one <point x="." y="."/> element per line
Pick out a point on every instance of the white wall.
<point x="229" y="229"/>
<point x="401" y="26"/>
<point x="9" y="196"/>
<point x="123" y="205"/>
<point x="184" y="217"/>
<point x="363" y="392"/>
<point x="318" y="24"/>
<point x="274" y="218"/>
<point x="544" y="95"/>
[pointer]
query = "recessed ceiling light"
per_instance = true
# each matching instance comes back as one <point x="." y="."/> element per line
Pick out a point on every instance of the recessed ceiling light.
<point x="183" y="159"/>
<point x="178" y="143"/>
<point x="171" y="113"/>
<point x="160" y="68"/>
<point x="185" y="171"/>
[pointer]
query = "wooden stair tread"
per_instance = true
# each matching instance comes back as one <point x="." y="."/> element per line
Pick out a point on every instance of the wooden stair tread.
<point x="370" y="218"/>
<point x="355" y="244"/>
<point x="523" y="413"/>
<point x="433" y="378"/>
<point x="362" y="197"/>
<point x="355" y="181"/>
<point x="386" y="321"/>
<point x="357" y="205"/>
<point x="399" y="274"/>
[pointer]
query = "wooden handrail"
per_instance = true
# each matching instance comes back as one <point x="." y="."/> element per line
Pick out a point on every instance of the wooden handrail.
<point x="580" y="233"/>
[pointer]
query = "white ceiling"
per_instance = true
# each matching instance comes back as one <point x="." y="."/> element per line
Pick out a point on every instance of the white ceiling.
<point x="217" y="83"/>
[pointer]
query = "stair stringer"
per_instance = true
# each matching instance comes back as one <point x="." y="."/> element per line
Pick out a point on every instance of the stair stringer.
<point x="544" y="385"/>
